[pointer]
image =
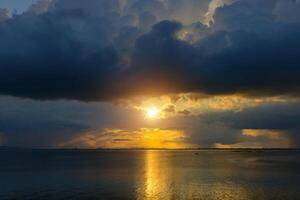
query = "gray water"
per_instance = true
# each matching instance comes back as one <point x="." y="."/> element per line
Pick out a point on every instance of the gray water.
<point x="149" y="174"/>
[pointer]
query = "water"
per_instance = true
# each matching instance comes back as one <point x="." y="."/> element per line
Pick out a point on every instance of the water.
<point x="150" y="174"/>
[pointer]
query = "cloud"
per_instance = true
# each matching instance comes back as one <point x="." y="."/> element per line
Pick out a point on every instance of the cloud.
<point x="287" y="11"/>
<point x="30" y="123"/>
<point x="169" y="109"/>
<point x="110" y="50"/>
<point x="184" y="112"/>
<point x="280" y="116"/>
<point x="265" y="120"/>
<point x="132" y="138"/>
<point x="263" y="133"/>
<point x="54" y="51"/>
<point x="53" y="55"/>
<point x="222" y="63"/>
<point x="246" y="43"/>
<point x="39" y="7"/>
<point x="250" y="15"/>
<point x="65" y="49"/>
<point x="99" y="8"/>
<point x="4" y="15"/>
<point x="213" y="5"/>
<point x="72" y="50"/>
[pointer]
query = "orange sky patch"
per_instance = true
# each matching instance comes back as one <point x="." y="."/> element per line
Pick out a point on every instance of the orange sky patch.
<point x="136" y="138"/>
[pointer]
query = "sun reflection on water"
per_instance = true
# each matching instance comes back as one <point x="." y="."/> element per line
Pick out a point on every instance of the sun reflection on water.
<point x="156" y="179"/>
<point x="166" y="176"/>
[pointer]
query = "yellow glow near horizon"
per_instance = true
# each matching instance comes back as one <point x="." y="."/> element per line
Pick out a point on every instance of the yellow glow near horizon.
<point x="131" y="138"/>
<point x="152" y="112"/>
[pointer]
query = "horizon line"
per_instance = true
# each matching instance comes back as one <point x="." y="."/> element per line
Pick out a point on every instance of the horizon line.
<point x="95" y="149"/>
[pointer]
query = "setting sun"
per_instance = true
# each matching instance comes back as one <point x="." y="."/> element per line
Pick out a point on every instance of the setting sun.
<point x="152" y="112"/>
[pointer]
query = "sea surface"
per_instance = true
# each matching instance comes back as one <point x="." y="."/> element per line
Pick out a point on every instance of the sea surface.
<point x="150" y="174"/>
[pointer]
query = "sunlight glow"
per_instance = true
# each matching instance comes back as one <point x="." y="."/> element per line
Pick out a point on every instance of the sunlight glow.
<point x="152" y="112"/>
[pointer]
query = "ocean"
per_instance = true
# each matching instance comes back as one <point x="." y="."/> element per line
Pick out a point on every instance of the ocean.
<point x="150" y="174"/>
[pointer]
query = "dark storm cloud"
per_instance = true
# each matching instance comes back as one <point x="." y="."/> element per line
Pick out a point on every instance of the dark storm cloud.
<point x="102" y="50"/>
<point x="224" y="62"/>
<point x="64" y="49"/>
<point x="249" y="51"/>
<point x="279" y="116"/>
<point x="30" y="123"/>
<point x="283" y="117"/>
<point x="40" y="133"/>
<point x="38" y="124"/>
<point x="51" y="56"/>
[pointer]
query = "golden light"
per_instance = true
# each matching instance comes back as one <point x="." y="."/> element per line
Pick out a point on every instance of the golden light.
<point x="152" y="112"/>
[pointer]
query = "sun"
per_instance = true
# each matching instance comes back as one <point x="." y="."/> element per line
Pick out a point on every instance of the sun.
<point x="152" y="112"/>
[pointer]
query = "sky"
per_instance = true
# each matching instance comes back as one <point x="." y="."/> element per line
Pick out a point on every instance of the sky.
<point x="18" y="5"/>
<point x="150" y="73"/>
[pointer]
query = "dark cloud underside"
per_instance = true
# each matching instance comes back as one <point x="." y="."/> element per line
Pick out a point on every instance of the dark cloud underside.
<point x="104" y="50"/>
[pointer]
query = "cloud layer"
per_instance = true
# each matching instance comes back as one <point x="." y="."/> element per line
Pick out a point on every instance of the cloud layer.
<point x="119" y="50"/>
<point x="105" y="50"/>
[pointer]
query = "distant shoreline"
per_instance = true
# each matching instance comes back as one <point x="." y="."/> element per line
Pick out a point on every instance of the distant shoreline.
<point x="143" y="149"/>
